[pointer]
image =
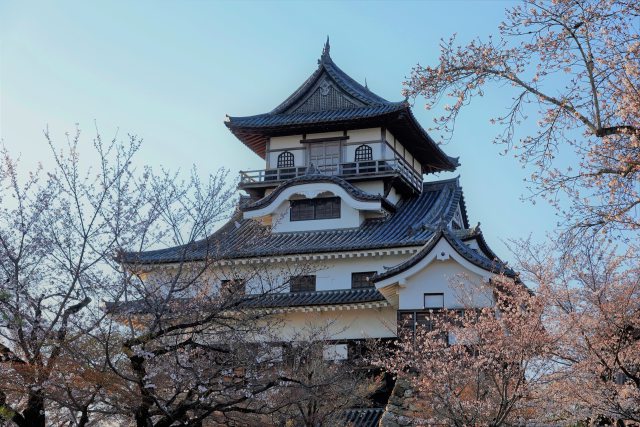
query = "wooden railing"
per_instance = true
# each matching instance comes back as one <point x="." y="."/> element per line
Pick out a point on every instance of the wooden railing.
<point x="351" y="169"/>
<point x="270" y="175"/>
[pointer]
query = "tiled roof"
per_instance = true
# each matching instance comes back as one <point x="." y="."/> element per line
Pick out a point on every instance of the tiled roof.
<point x="305" y="299"/>
<point x="410" y="225"/>
<point x="312" y="177"/>
<point x="330" y="100"/>
<point x="347" y="114"/>
<point x="268" y="300"/>
<point x="365" y="417"/>
<point x="494" y="265"/>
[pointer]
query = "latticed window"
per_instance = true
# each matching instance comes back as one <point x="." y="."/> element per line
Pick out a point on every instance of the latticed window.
<point x="362" y="279"/>
<point x="306" y="283"/>
<point x="364" y="153"/>
<point x="234" y="286"/>
<point x="286" y="160"/>
<point x="321" y="208"/>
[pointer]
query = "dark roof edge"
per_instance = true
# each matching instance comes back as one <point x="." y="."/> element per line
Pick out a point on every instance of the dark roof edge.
<point x="495" y="266"/>
<point x="266" y="301"/>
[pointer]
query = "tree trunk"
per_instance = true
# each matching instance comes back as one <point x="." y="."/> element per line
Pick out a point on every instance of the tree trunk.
<point x="33" y="415"/>
<point x="141" y="413"/>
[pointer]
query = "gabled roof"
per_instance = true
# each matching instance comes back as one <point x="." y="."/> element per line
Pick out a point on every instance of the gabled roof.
<point x="313" y="176"/>
<point x="302" y="100"/>
<point x="442" y="232"/>
<point x="410" y="225"/>
<point x="331" y="100"/>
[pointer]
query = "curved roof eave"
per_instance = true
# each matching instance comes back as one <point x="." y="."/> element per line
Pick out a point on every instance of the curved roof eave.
<point x="352" y="190"/>
<point x="495" y="266"/>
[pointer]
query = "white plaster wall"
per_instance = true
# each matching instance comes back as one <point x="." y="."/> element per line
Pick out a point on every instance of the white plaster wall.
<point x="371" y="187"/>
<point x="282" y="142"/>
<point x="336" y="274"/>
<point x="460" y="286"/>
<point x="330" y="274"/>
<point x="359" y="135"/>
<point x="389" y="136"/>
<point x="393" y="196"/>
<point x="336" y="325"/>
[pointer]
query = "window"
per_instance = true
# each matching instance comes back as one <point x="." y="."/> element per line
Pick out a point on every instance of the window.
<point x="362" y="280"/>
<point x="364" y="153"/>
<point x="335" y="352"/>
<point x="235" y="286"/>
<point x="434" y="301"/>
<point x="322" y="208"/>
<point x="286" y="160"/>
<point x="305" y="283"/>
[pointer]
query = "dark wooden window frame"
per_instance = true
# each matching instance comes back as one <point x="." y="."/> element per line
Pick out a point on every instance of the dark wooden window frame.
<point x="311" y="209"/>
<point x="363" y="153"/>
<point x="237" y="286"/>
<point x="303" y="283"/>
<point x="361" y="279"/>
<point x="286" y="159"/>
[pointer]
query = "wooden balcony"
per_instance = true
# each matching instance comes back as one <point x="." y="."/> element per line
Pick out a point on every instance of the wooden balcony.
<point x="351" y="171"/>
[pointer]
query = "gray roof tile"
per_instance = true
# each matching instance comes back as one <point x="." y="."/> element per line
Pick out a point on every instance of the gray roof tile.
<point x="410" y="225"/>
<point x="267" y="300"/>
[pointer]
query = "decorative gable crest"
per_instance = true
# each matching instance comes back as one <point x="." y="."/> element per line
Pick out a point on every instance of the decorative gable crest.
<point x="325" y="95"/>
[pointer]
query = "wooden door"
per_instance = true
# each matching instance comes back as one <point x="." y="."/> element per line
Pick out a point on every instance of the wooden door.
<point x="325" y="156"/>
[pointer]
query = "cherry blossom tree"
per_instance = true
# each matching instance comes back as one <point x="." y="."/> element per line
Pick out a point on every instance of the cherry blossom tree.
<point x="592" y="310"/>
<point x="318" y="383"/>
<point x="574" y="66"/>
<point x="59" y="230"/>
<point x="477" y="366"/>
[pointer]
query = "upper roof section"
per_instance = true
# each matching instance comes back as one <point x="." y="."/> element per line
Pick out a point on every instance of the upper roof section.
<point x="330" y="100"/>
<point x="329" y="88"/>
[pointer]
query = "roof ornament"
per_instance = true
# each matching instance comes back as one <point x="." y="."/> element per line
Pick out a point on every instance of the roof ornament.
<point x="366" y="86"/>
<point x="312" y="170"/>
<point x="442" y="224"/>
<point x="325" y="51"/>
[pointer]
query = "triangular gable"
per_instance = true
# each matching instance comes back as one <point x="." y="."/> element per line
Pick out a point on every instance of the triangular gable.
<point x="442" y="250"/>
<point x="444" y="245"/>
<point x="324" y="95"/>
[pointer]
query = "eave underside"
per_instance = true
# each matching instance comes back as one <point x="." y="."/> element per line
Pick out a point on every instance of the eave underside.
<point x="400" y="122"/>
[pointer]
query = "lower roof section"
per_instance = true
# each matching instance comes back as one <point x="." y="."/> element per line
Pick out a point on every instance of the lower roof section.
<point x="412" y="224"/>
<point x="288" y="300"/>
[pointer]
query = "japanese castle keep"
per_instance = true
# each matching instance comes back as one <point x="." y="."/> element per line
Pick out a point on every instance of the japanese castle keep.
<point x="346" y="190"/>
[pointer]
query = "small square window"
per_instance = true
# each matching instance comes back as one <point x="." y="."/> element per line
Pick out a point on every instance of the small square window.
<point x="434" y="301"/>
<point x="362" y="279"/>
<point x="235" y="286"/>
<point x="320" y="208"/>
<point x="305" y="283"/>
<point x="335" y="352"/>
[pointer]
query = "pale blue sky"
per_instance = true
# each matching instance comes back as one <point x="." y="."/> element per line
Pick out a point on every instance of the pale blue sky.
<point x="170" y="71"/>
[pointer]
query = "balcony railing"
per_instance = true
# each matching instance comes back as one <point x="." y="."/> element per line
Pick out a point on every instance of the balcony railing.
<point x="348" y="170"/>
